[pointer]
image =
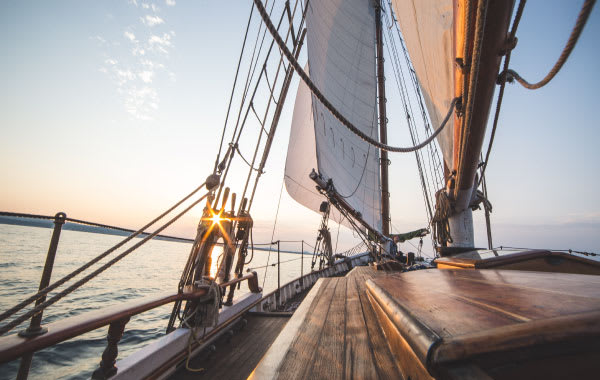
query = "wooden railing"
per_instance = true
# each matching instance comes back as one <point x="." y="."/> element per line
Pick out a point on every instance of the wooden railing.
<point x="116" y="317"/>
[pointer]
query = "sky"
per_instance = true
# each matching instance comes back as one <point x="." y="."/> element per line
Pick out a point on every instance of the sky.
<point x="112" y="111"/>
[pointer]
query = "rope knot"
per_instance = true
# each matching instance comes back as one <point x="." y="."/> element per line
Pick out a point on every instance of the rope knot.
<point x="507" y="76"/>
<point x="509" y="45"/>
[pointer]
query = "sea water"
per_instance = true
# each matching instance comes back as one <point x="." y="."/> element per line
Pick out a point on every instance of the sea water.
<point x="152" y="269"/>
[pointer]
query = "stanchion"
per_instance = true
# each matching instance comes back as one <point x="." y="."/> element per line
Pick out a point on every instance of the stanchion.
<point x="35" y="327"/>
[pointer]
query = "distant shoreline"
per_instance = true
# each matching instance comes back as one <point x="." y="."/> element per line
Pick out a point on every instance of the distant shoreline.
<point x="69" y="226"/>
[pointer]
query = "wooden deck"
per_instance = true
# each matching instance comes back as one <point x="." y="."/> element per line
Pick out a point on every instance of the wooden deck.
<point x="450" y="324"/>
<point x="235" y="357"/>
<point x="333" y="335"/>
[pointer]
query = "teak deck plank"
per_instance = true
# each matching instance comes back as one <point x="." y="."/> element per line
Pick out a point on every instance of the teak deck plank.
<point x="301" y="354"/>
<point x="382" y="358"/>
<point x="359" y="355"/>
<point x="237" y="358"/>
<point x="340" y="336"/>
<point x="329" y="356"/>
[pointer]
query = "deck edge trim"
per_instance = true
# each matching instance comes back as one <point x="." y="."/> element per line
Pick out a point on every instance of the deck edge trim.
<point x="268" y="367"/>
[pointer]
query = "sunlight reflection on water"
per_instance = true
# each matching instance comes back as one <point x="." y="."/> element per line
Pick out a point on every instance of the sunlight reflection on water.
<point x="154" y="268"/>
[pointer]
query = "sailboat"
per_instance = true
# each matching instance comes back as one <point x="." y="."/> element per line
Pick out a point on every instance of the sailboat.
<point x="473" y="313"/>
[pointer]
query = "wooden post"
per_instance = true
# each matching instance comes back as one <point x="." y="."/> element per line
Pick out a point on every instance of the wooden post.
<point x="253" y="283"/>
<point x="35" y="328"/>
<point x="109" y="356"/>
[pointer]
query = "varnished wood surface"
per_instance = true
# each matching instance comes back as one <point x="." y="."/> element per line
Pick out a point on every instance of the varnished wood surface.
<point x="340" y="336"/>
<point x="236" y="356"/>
<point x="500" y="321"/>
<point x="533" y="260"/>
<point x="456" y="302"/>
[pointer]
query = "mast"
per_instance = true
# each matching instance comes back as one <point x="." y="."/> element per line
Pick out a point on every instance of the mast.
<point x="384" y="162"/>
<point x="479" y="50"/>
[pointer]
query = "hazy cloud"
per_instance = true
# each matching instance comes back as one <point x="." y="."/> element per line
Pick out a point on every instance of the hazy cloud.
<point x="170" y="3"/>
<point x="141" y="61"/>
<point x="161" y="43"/>
<point x="130" y="36"/>
<point x="152" y="20"/>
<point x="146" y="76"/>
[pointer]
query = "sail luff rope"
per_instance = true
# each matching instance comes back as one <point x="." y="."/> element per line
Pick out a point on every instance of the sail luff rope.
<point x="17" y="321"/>
<point x="285" y="51"/>
<point x="77" y="271"/>
<point x="582" y="18"/>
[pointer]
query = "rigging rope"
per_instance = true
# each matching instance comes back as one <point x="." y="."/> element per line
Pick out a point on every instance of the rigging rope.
<point x="237" y="149"/>
<point x="512" y="43"/>
<point x="66" y="278"/>
<point x="313" y="88"/>
<point x="237" y="71"/>
<point x="439" y="224"/>
<point x="403" y="90"/>
<point x="17" y="321"/>
<point x="571" y="251"/>
<point x="584" y="14"/>
<point x="273" y="232"/>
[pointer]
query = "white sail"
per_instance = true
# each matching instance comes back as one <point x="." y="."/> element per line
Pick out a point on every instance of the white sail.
<point x="341" y="53"/>
<point x="427" y="28"/>
<point x="302" y="155"/>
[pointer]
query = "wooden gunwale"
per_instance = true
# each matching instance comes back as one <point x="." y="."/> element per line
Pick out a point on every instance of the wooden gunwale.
<point x="14" y="346"/>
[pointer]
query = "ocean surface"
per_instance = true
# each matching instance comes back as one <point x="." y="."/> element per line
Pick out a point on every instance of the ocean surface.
<point x="153" y="268"/>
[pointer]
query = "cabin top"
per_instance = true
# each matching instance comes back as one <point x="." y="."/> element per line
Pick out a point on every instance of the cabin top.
<point x="519" y="259"/>
<point x="476" y="316"/>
